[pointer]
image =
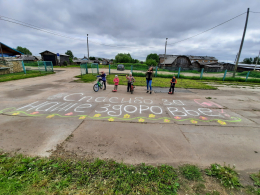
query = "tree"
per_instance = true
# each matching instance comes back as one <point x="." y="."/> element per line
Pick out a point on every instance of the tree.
<point x="123" y="58"/>
<point x="248" y="61"/>
<point x="92" y="58"/>
<point x="24" y="50"/>
<point x="151" y="62"/>
<point x="69" y="53"/>
<point x="75" y="58"/>
<point x="255" y="58"/>
<point x="100" y="59"/>
<point x="153" y="56"/>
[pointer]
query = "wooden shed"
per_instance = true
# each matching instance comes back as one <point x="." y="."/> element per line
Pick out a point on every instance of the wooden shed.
<point x="52" y="56"/>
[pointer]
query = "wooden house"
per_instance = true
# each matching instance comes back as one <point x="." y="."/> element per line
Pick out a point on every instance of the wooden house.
<point x="173" y="62"/>
<point x="51" y="56"/>
<point x="6" y="51"/>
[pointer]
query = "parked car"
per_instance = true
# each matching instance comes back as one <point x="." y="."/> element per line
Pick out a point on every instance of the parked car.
<point x="120" y="67"/>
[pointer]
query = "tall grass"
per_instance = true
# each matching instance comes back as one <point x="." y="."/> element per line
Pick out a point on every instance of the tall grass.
<point x="255" y="74"/>
<point x="237" y="79"/>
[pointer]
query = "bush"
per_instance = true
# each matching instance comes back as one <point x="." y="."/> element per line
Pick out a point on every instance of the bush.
<point x="255" y="74"/>
<point x="226" y="174"/>
<point x="151" y="62"/>
<point x="65" y="63"/>
<point x="191" y="172"/>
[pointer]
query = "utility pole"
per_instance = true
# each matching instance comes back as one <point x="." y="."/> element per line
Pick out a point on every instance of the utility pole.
<point x="165" y="51"/>
<point x="88" y="47"/>
<point x="241" y="45"/>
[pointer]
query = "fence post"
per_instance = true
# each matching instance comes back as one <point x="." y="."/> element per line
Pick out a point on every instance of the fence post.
<point x="201" y="74"/>
<point x="132" y="68"/>
<point x="156" y="71"/>
<point x="45" y="66"/>
<point x="52" y="66"/>
<point x="98" y="69"/>
<point x="87" y="68"/>
<point x="109" y="68"/>
<point x="23" y="68"/>
<point x="224" y="75"/>
<point x="179" y="72"/>
<point x="247" y="75"/>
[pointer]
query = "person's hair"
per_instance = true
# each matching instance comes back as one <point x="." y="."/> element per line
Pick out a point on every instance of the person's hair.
<point x="151" y="68"/>
<point x="130" y="73"/>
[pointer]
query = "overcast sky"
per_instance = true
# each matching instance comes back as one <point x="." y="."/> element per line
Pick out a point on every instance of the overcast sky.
<point x="141" y="26"/>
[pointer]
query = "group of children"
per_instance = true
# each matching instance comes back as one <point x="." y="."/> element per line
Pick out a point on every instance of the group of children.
<point x="131" y="79"/>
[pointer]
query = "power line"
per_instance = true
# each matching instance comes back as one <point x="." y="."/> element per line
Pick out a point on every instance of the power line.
<point x="208" y="29"/>
<point x="255" y="12"/>
<point x="69" y="37"/>
<point x="53" y="33"/>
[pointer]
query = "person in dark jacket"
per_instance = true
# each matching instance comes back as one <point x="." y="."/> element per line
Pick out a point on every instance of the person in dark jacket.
<point x="173" y="82"/>
<point x="103" y="78"/>
<point x="149" y="77"/>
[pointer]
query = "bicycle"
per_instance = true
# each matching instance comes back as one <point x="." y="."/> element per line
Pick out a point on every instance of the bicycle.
<point x="132" y="87"/>
<point x="98" y="85"/>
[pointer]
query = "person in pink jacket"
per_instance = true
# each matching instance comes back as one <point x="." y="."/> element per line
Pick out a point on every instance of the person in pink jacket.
<point x="116" y="81"/>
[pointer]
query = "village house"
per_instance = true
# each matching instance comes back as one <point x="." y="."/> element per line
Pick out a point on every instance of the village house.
<point x="51" y="56"/>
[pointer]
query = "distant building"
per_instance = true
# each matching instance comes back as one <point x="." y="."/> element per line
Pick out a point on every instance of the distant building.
<point x="51" y="56"/>
<point x="105" y="62"/>
<point x="6" y="51"/>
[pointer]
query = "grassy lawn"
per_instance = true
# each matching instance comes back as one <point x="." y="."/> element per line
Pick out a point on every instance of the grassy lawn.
<point x="21" y="75"/>
<point x="157" y="82"/>
<point x="34" y="175"/>
<point x="162" y="82"/>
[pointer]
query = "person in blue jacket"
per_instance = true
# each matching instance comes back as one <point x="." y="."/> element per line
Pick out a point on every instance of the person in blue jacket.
<point x="103" y="78"/>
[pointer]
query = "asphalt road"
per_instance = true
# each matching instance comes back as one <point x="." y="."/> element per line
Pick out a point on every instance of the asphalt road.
<point x="37" y="114"/>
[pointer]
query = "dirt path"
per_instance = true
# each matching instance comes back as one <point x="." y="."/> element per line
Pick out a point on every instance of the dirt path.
<point x="37" y="114"/>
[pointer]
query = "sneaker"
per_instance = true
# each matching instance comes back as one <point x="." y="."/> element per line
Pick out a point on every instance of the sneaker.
<point x="147" y="92"/>
<point x="150" y="92"/>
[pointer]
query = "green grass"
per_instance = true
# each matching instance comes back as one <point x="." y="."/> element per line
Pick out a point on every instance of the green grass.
<point x="157" y="82"/>
<point x="21" y="75"/>
<point x="256" y="178"/>
<point x="161" y="82"/>
<point x="255" y="74"/>
<point x="191" y="172"/>
<point x="31" y="64"/>
<point x="37" y="175"/>
<point x="227" y="175"/>
<point x="27" y="175"/>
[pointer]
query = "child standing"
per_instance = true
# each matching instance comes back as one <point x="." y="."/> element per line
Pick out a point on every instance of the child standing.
<point x="173" y="82"/>
<point x="116" y="81"/>
<point x="130" y="79"/>
<point x="103" y="78"/>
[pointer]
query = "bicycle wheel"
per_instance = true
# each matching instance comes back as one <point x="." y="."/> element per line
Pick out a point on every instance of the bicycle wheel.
<point x="101" y="84"/>
<point x="96" y="88"/>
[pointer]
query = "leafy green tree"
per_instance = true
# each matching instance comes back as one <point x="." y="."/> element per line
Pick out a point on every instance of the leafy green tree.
<point x="123" y="58"/>
<point x="100" y="59"/>
<point x="24" y="50"/>
<point x="70" y="60"/>
<point x="258" y="61"/>
<point x="75" y="58"/>
<point x="247" y="61"/>
<point x="153" y="56"/>
<point x="151" y="62"/>
<point x="69" y="53"/>
<point x="92" y="58"/>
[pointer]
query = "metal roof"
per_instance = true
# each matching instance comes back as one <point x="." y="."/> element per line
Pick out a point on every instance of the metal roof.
<point x="54" y="53"/>
<point x="9" y="48"/>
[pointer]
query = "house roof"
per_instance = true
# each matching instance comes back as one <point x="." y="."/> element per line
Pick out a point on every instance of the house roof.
<point x="27" y="58"/>
<point x="54" y="53"/>
<point x="192" y="57"/>
<point x="14" y="51"/>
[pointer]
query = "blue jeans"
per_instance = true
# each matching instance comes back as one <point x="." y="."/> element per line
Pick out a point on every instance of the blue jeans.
<point x="149" y="84"/>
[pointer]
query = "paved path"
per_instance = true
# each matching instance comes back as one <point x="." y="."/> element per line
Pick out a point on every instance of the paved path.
<point x="37" y="114"/>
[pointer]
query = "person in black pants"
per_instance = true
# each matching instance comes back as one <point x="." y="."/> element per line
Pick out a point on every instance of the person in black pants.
<point x="173" y="82"/>
<point x="130" y="79"/>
